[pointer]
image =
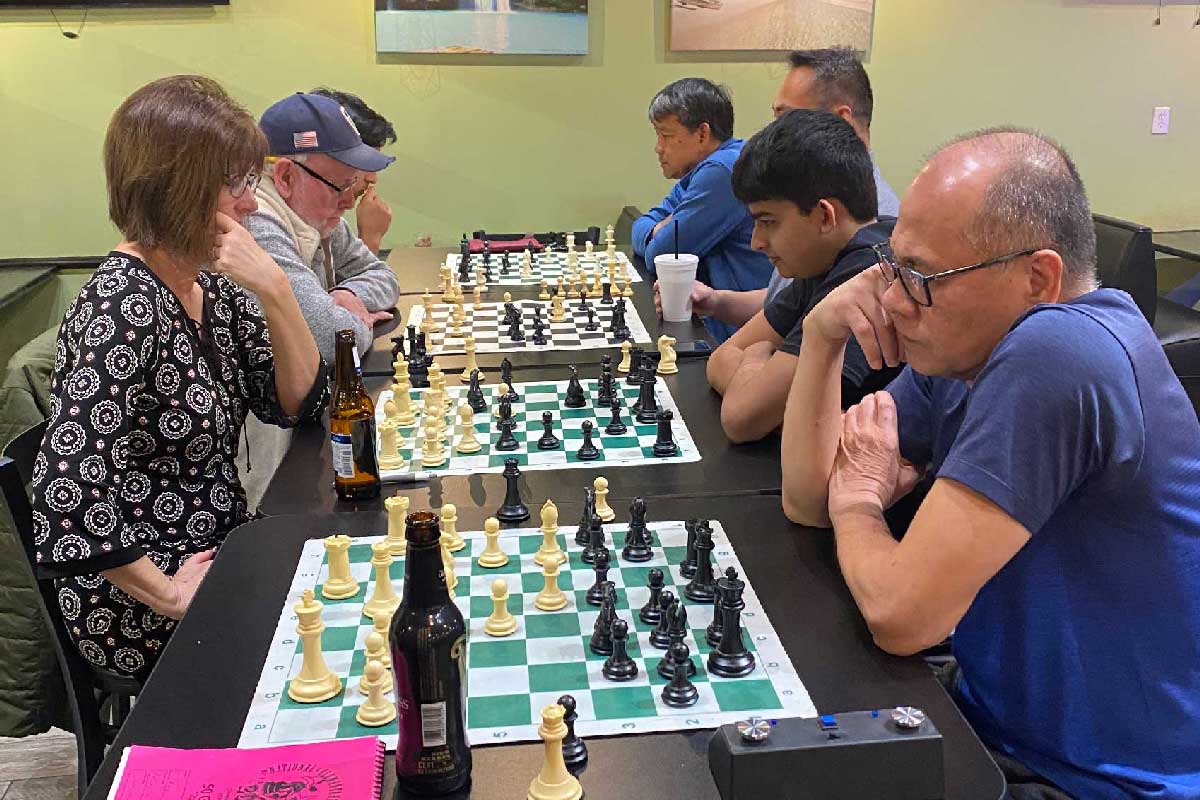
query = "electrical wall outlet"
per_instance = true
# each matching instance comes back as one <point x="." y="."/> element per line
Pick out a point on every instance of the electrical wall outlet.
<point x="1161" y="123"/>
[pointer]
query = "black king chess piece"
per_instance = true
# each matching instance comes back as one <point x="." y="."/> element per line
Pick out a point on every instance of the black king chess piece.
<point x="702" y="586"/>
<point x="595" y="594"/>
<point x="601" y="641"/>
<point x="574" y="749"/>
<point x="687" y="567"/>
<point x="634" y="378"/>
<point x="731" y="658"/>
<point x="647" y="402"/>
<point x="619" y="666"/>
<point x="548" y="441"/>
<point x="680" y="692"/>
<point x="513" y="509"/>
<point x="651" y="613"/>
<point x="712" y="634"/>
<point x="637" y="540"/>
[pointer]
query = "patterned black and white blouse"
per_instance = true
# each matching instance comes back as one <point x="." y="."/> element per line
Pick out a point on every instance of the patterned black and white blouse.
<point x="138" y="458"/>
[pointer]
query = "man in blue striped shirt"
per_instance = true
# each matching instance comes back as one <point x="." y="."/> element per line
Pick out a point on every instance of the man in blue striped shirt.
<point x="693" y="126"/>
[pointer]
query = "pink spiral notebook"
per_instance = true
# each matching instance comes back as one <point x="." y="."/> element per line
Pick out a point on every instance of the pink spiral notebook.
<point x="343" y="769"/>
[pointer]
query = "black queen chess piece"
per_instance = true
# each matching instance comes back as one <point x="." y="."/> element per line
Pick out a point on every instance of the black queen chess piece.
<point x="660" y="637"/>
<point x="548" y="440"/>
<point x="731" y="658"/>
<point x="601" y="641"/>
<point x="702" y="586"/>
<point x="595" y="594"/>
<point x="506" y="424"/>
<point x="596" y="541"/>
<point x="637" y="540"/>
<point x="583" y="532"/>
<point x="513" y="510"/>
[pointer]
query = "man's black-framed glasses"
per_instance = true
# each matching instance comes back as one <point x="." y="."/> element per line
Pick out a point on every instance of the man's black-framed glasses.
<point x="916" y="285"/>
<point x="339" y="190"/>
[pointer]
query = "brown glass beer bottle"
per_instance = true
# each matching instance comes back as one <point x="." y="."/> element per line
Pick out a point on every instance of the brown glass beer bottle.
<point x="352" y="427"/>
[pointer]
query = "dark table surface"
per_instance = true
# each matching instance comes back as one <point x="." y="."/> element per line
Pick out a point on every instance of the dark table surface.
<point x="200" y="692"/>
<point x="304" y="480"/>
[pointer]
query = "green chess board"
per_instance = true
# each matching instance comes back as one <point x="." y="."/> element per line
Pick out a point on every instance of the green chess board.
<point x="510" y="679"/>
<point x="635" y="446"/>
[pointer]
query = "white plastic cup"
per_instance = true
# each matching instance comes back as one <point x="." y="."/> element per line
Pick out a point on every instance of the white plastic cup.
<point x="676" y="274"/>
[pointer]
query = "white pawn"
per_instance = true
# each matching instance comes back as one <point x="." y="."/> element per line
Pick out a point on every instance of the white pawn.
<point x="501" y="622"/>
<point x="603" y="509"/>
<point x="431" y="447"/>
<point x="376" y="647"/>
<point x="549" y="551"/>
<point x="397" y="510"/>
<point x="666" y="355"/>
<point x="550" y="598"/>
<point x="378" y="710"/>
<point x="492" y="557"/>
<point x="450" y="536"/>
<point x="468" y="442"/>
<point x="626" y="358"/>
<point x="556" y="309"/>
<point x="544" y="294"/>
<point x="384" y="599"/>
<point x="381" y="624"/>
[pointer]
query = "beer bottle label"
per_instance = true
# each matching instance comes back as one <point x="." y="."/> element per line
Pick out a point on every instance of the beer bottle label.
<point x="343" y="455"/>
<point x="433" y="724"/>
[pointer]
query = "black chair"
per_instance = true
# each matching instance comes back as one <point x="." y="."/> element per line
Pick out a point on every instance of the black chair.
<point x="1125" y="260"/>
<point x="99" y="702"/>
<point x="623" y="227"/>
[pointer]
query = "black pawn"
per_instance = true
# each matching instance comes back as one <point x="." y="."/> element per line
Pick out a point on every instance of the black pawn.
<point x="651" y="613"/>
<point x="515" y="331"/>
<point x="591" y="320"/>
<point x="582" y="535"/>
<point x="583" y="303"/>
<point x="619" y="666"/>
<point x="574" y="750"/>
<point x="601" y="641"/>
<point x="504" y="264"/>
<point x="575" y="397"/>
<point x="703" y="584"/>
<point x="595" y="594"/>
<point x="507" y="441"/>
<point x="687" y="567"/>
<point x="539" y="331"/>
<point x="513" y="509"/>
<point x="637" y="541"/>
<point x="731" y="658"/>
<point x="548" y="441"/>
<point x="589" y="451"/>
<point x="660" y="637"/>
<point x="680" y="692"/>
<point x="678" y="632"/>
<point x="616" y="426"/>
<point x="664" y="442"/>
<point x="606" y="296"/>
<point x="475" y="397"/>
<point x="596" y="543"/>
<point x="606" y="391"/>
<point x="712" y="634"/>
<point x="506" y="371"/>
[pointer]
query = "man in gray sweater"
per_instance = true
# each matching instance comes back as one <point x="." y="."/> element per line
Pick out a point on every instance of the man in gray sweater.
<point x="315" y="173"/>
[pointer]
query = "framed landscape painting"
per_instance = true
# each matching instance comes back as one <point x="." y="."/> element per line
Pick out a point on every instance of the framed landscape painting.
<point x="771" y="24"/>
<point x="499" y="27"/>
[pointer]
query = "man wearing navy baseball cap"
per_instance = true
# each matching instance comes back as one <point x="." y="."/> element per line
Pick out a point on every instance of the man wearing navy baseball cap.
<point x="315" y="173"/>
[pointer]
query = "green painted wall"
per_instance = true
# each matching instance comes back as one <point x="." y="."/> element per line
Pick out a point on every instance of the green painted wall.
<point x="513" y="144"/>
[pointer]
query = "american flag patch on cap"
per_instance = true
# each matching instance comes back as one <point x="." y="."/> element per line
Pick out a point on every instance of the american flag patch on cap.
<point x="304" y="139"/>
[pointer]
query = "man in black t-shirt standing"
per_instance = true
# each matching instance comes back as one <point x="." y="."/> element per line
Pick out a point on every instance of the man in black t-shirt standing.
<point x="807" y="179"/>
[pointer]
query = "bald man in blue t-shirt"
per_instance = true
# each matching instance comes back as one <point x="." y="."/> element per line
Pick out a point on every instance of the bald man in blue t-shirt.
<point x="1060" y="539"/>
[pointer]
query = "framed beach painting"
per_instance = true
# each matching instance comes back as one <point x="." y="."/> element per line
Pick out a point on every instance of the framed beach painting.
<point x="497" y="27"/>
<point x="771" y="24"/>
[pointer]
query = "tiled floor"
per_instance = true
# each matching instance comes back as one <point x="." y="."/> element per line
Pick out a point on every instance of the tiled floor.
<point x="38" y="767"/>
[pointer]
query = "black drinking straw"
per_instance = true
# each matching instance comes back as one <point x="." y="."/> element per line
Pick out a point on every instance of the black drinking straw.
<point x="675" y="225"/>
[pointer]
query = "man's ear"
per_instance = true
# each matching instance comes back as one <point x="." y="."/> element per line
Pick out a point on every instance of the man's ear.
<point x="825" y="214"/>
<point x="1046" y="277"/>
<point x="845" y="112"/>
<point x="704" y="132"/>
<point x="283" y="175"/>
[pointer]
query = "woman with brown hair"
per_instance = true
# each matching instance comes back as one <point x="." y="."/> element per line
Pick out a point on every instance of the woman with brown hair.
<point x="184" y="329"/>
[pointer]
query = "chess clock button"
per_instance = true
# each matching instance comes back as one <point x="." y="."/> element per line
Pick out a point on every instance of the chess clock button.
<point x="827" y="722"/>
<point x="755" y="729"/>
<point x="908" y="718"/>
